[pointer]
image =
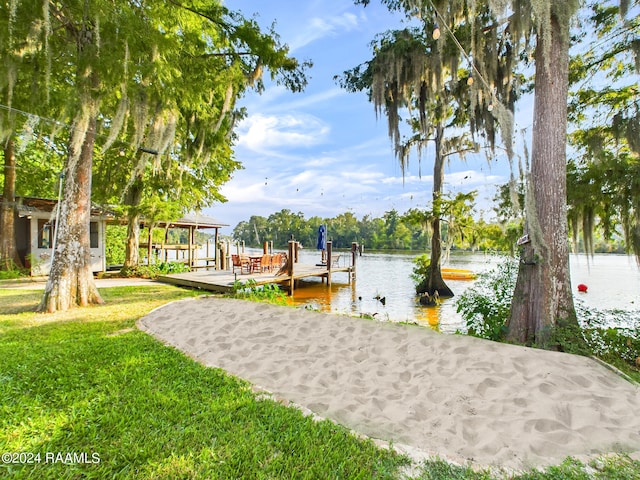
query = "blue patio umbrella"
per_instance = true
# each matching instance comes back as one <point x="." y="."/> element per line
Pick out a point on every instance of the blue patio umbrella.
<point x="322" y="238"/>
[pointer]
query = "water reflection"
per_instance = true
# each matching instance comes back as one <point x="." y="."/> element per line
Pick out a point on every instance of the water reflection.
<point x="383" y="275"/>
<point x="315" y="294"/>
<point x="614" y="282"/>
<point x="429" y="316"/>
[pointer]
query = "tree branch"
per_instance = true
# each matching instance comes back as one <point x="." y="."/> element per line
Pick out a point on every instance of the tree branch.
<point x="215" y="21"/>
<point x="64" y="21"/>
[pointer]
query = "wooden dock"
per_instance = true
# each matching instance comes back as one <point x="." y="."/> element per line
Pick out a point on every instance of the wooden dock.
<point x="222" y="281"/>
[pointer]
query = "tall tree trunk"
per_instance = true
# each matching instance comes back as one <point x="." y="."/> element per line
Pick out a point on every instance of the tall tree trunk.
<point x="9" y="258"/>
<point x="435" y="281"/>
<point x="70" y="280"/>
<point x="542" y="299"/>
<point x="132" y="200"/>
<point x="132" y="257"/>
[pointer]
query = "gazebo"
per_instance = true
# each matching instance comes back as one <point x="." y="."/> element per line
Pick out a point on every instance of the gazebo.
<point x="187" y="252"/>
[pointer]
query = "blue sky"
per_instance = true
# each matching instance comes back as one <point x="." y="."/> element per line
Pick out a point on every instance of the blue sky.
<point x="323" y="152"/>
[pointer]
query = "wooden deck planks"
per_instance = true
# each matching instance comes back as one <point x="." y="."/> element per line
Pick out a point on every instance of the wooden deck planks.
<point x="222" y="281"/>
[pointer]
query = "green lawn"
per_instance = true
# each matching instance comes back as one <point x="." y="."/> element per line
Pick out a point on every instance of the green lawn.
<point x="87" y="382"/>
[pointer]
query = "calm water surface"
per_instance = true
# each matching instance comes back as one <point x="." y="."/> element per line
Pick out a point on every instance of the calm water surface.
<point x="613" y="281"/>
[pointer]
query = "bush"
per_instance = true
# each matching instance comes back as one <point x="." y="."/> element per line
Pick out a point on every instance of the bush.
<point x="250" y="290"/>
<point x="420" y="273"/>
<point x="486" y="305"/>
<point x="613" y="335"/>
<point x="13" y="272"/>
<point x="115" y="242"/>
<point x="154" y="270"/>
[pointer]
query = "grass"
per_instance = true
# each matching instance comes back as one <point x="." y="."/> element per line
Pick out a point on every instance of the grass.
<point x="87" y="382"/>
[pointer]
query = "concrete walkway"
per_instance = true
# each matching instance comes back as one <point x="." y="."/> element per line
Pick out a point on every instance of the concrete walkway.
<point x="38" y="283"/>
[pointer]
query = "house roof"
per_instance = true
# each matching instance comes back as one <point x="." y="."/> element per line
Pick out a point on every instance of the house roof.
<point x="27" y="205"/>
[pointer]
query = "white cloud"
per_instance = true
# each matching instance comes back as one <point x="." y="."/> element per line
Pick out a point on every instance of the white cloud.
<point x="277" y="99"/>
<point x="469" y="179"/>
<point x="262" y="132"/>
<point x="407" y="179"/>
<point x="300" y="102"/>
<point x="362" y="177"/>
<point x="321" y="27"/>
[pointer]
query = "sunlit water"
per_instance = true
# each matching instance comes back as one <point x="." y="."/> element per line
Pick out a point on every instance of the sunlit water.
<point x="613" y="283"/>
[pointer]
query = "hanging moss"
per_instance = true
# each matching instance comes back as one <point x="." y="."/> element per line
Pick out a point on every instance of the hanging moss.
<point x="47" y="51"/>
<point x="398" y="76"/>
<point x="117" y="122"/>
<point x="575" y="229"/>
<point x="13" y="8"/>
<point x="27" y="134"/>
<point x="140" y="118"/>
<point x="12" y="78"/>
<point x="588" y="217"/>
<point x="96" y="33"/>
<point x="169" y="134"/>
<point x="504" y="117"/>
<point x="633" y="133"/>
<point x="79" y="133"/>
<point x="226" y="106"/>
<point x="535" y="16"/>
<point x="624" y="7"/>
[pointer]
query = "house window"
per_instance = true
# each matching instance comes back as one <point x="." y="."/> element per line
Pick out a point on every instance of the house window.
<point x="93" y="234"/>
<point x="46" y="231"/>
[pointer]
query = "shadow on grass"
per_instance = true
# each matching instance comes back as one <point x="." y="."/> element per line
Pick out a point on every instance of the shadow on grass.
<point x="19" y="301"/>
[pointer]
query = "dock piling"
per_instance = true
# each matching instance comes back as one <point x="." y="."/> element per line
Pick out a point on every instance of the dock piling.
<point x="290" y="261"/>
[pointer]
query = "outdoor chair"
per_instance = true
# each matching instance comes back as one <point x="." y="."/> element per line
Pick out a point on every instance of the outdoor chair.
<point x="265" y="263"/>
<point x="240" y="262"/>
<point x="276" y="261"/>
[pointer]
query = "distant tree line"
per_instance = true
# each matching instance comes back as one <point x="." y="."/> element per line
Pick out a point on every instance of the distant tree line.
<point x="461" y="230"/>
<point x="393" y="231"/>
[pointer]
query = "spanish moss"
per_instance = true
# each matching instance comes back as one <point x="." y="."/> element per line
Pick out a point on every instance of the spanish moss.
<point x="226" y="106"/>
<point x="140" y="119"/>
<point x="47" y="51"/>
<point x="27" y="134"/>
<point x="117" y="122"/>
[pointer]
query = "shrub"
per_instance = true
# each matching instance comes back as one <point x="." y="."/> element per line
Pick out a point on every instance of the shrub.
<point x="486" y="305"/>
<point x="154" y="270"/>
<point x="420" y="273"/>
<point x="250" y="290"/>
<point x="13" y="272"/>
<point x="613" y="335"/>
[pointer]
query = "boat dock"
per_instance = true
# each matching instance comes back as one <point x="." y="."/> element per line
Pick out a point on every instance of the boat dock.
<point x="223" y="280"/>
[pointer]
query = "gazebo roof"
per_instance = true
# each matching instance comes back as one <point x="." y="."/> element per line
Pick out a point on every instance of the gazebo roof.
<point x="195" y="220"/>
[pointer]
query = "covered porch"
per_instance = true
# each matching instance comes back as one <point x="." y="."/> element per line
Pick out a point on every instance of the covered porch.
<point x="210" y="254"/>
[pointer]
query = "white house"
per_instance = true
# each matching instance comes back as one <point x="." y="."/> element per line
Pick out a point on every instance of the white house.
<point x="35" y="234"/>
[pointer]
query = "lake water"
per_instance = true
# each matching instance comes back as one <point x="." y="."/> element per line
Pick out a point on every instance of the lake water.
<point x="613" y="281"/>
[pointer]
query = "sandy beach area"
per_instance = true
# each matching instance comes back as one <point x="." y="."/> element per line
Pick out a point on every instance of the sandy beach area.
<point x="466" y="400"/>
